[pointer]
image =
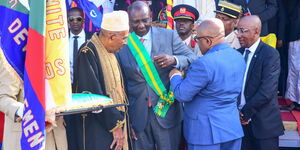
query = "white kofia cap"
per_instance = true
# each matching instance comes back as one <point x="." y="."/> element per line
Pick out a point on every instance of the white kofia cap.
<point x="115" y="21"/>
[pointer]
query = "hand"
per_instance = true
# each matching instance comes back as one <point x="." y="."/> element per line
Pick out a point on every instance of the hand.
<point x="173" y="71"/>
<point x="242" y="120"/>
<point x="279" y="43"/>
<point x="118" y="141"/>
<point x="133" y="135"/>
<point x="51" y="119"/>
<point x="164" y="60"/>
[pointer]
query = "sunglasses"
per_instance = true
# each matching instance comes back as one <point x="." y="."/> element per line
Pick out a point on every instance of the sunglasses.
<point x="79" y="18"/>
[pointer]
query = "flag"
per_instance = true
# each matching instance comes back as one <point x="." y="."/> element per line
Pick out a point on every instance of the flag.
<point x="33" y="121"/>
<point x="47" y="74"/>
<point x="13" y="33"/>
<point x="170" y="24"/>
<point x="58" y="81"/>
<point x="13" y="39"/>
<point x="91" y="10"/>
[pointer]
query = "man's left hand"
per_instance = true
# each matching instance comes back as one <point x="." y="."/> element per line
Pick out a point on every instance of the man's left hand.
<point x="173" y="71"/>
<point x="242" y="120"/>
<point x="164" y="60"/>
<point x="118" y="141"/>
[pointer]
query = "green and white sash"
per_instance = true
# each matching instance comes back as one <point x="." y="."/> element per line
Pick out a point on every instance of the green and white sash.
<point x="166" y="99"/>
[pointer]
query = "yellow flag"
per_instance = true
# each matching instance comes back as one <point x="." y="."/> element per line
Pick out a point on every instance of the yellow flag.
<point x="270" y="39"/>
<point x="58" y="82"/>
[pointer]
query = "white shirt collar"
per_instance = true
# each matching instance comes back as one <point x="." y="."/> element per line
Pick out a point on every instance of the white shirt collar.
<point x="254" y="46"/>
<point x="81" y="34"/>
<point x="188" y="40"/>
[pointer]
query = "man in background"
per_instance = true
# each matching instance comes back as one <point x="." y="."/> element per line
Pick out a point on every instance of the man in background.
<point x="185" y="17"/>
<point x="77" y="34"/>
<point x="229" y="13"/>
<point x="258" y="104"/>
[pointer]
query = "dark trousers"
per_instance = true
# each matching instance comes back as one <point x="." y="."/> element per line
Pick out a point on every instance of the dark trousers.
<point x="249" y="142"/>
<point x="154" y="137"/>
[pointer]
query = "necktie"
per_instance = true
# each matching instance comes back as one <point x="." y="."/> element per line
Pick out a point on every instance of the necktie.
<point x="247" y="54"/>
<point x="75" y="47"/>
<point x="142" y="40"/>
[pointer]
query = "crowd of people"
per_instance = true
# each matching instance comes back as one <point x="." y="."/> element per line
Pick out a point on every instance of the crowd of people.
<point x="209" y="84"/>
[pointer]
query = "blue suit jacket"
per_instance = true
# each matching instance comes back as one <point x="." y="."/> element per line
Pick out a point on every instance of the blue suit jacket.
<point x="209" y="92"/>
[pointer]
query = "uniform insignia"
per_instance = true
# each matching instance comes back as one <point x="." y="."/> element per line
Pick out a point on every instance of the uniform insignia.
<point x="222" y="9"/>
<point x="182" y="10"/>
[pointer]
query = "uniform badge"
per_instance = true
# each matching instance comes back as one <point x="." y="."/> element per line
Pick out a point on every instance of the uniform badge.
<point x="222" y="9"/>
<point x="182" y="10"/>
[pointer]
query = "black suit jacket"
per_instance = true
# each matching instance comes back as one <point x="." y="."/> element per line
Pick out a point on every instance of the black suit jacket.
<point x="265" y="9"/>
<point x="278" y="23"/>
<point x="261" y="93"/>
<point x="294" y="19"/>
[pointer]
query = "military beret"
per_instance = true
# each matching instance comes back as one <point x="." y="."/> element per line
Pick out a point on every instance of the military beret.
<point x="183" y="11"/>
<point x="229" y="9"/>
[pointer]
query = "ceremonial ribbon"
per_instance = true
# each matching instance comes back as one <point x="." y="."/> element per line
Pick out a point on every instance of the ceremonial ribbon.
<point x="166" y="99"/>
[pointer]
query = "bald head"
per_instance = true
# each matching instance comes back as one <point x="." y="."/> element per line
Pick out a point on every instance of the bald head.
<point x="211" y="27"/>
<point x="253" y="21"/>
<point x="248" y="30"/>
<point x="210" y="33"/>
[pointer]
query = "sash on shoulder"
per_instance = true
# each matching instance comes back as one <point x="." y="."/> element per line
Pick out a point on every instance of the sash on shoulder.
<point x="166" y="98"/>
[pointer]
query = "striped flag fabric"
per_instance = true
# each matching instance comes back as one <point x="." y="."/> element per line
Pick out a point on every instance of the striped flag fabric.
<point x="13" y="39"/>
<point x="33" y="122"/>
<point x="47" y="74"/>
<point x="170" y="24"/>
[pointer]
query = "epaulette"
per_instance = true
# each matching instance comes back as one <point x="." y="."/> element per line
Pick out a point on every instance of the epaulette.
<point x="86" y="48"/>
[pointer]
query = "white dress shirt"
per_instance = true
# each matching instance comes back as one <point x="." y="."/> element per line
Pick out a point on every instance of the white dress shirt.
<point x="252" y="50"/>
<point x="81" y="40"/>
<point x="147" y="42"/>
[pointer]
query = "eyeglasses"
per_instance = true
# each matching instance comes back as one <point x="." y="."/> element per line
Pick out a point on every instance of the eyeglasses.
<point x="241" y="30"/>
<point x="197" y="38"/>
<point x="71" y="18"/>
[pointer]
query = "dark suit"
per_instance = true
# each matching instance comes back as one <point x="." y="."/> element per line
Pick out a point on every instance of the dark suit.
<point x="261" y="100"/>
<point x="165" y="131"/>
<point x="265" y="9"/>
<point x="294" y="19"/>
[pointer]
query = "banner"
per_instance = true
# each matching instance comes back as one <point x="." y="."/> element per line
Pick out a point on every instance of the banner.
<point x="58" y="81"/>
<point x="13" y="33"/>
<point x="33" y="121"/>
<point x="91" y="10"/>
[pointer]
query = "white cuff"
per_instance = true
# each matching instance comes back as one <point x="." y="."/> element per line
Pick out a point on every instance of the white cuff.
<point x="20" y="111"/>
<point x="177" y="62"/>
<point x="175" y="75"/>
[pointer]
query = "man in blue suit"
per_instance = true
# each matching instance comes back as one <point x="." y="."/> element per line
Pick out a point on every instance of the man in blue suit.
<point x="210" y="90"/>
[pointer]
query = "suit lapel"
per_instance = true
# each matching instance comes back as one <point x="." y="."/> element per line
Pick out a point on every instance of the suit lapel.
<point x="133" y="62"/>
<point x="253" y="61"/>
<point x="155" y="42"/>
